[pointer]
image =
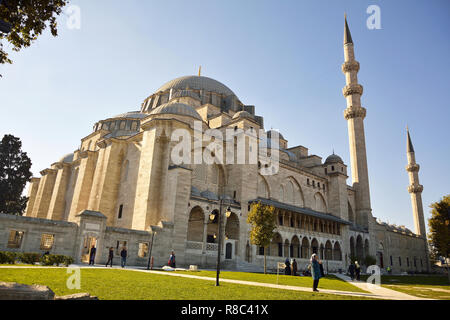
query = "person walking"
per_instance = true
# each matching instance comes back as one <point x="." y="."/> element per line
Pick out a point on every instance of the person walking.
<point x="294" y="268"/>
<point x="110" y="256"/>
<point x="172" y="262"/>
<point x="357" y="270"/>
<point x="315" y="271"/>
<point x="322" y="273"/>
<point x="123" y="255"/>
<point x="351" y="270"/>
<point x="287" y="267"/>
<point x="92" y="255"/>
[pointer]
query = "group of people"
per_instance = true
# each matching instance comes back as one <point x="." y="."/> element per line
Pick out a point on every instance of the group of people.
<point x="354" y="269"/>
<point x="123" y="256"/>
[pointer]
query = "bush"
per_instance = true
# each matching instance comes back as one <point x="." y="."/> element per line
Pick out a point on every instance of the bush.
<point x="29" y="258"/>
<point x="33" y="257"/>
<point x="8" y="257"/>
<point x="52" y="259"/>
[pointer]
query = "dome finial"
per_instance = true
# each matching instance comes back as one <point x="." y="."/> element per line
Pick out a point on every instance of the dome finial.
<point x="199" y="70"/>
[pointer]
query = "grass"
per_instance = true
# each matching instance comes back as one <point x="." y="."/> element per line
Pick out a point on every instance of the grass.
<point x="434" y="287"/>
<point x="329" y="282"/>
<point x="119" y="284"/>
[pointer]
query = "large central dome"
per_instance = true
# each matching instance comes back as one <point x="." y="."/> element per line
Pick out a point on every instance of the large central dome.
<point x="197" y="83"/>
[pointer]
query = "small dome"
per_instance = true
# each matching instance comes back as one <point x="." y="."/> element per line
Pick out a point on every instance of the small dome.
<point x="67" y="158"/>
<point x="334" y="159"/>
<point x="176" y="108"/>
<point x="269" y="134"/>
<point x="242" y="114"/>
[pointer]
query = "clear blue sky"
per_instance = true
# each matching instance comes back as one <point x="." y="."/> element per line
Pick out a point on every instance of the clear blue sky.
<point x="284" y="57"/>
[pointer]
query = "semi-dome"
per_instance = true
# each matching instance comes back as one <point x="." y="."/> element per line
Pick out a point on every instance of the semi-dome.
<point x="197" y="83"/>
<point x="66" y="158"/>
<point x="177" y="108"/>
<point x="243" y="114"/>
<point x="132" y="115"/>
<point x="334" y="158"/>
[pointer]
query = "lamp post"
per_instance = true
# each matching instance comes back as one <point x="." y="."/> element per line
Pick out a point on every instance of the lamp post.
<point x="212" y="216"/>
<point x="150" y="253"/>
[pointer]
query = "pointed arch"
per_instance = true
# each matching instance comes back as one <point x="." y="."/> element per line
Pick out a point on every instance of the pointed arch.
<point x="195" y="224"/>
<point x="351" y="215"/>
<point x="320" y="204"/>
<point x="263" y="187"/>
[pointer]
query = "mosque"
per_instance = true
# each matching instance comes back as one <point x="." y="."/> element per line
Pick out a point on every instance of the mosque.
<point x="122" y="188"/>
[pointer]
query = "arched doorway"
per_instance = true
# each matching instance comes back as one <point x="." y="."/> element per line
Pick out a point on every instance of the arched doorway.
<point x="359" y="249"/>
<point x="328" y="251"/>
<point x="295" y="247"/>
<point x="314" y="246"/>
<point x="195" y="225"/>
<point x="232" y="227"/>
<point x="276" y="246"/>
<point x="352" y="248"/>
<point x="337" y="254"/>
<point x="305" y="248"/>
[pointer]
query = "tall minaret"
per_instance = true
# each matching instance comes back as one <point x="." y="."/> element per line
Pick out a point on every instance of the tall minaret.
<point x="415" y="188"/>
<point x="355" y="114"/>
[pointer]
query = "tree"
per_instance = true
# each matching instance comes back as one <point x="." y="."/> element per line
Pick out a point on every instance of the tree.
<point x="14" y="174"/>
<point x="262" y="219"/>
<point x="439" y="224"/>
<point x="28" y="19"/>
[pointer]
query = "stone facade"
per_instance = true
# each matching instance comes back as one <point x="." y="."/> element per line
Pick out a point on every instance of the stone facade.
<point x="123" y="186"/>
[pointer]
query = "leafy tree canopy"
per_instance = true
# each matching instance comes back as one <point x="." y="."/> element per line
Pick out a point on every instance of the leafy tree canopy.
<point x="28" y="19"/>
<point x="14" y="174"/>
<point x="439" y="226"/>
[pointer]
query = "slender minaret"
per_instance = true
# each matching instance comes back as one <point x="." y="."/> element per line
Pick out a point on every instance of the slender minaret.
<point x="415" y="188"/>
<point x="355" y="114"/>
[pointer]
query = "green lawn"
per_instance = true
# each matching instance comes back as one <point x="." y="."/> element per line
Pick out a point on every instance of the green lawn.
<point x="119" y="284"/>
<point x="329" y="282"/>
<point x="434" y="287"/>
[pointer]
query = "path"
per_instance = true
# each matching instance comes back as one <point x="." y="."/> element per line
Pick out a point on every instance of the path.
<point x="379" y="290"/>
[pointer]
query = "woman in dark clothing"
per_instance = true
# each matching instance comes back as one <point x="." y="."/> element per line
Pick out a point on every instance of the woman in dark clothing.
<point x="357" y="271"/>
<point x="351" y="270"/>
<point x="92" y="255"/>
<point x="110" y="256"/>
<point x="172" y="262"/>
<point x="315" y="271"/>
<point x="294" y="268"/>
<point x="287" y="267"/>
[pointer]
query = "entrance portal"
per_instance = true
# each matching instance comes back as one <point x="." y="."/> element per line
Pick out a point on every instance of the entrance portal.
<point x="87" y="245"/>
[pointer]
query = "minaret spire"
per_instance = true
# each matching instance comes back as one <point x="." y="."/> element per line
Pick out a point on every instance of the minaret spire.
<point x="415" y="188"/>
<point x="355" y="114"/>
<point x="347" y="34"/>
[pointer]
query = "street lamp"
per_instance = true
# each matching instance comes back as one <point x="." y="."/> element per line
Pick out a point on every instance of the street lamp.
<point x="150" y="253"/>
<point x="212" y="217"/>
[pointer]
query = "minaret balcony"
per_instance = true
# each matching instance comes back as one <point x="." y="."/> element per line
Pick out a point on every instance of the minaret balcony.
<point x="412" y="167"/>
<point x="350" y="66"/>
<point x="351" y="113"/>
<point x="415" y="188"/>
<point x="352" y="89"/>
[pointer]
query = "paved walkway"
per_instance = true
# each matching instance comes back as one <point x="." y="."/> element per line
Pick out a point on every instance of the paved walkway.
<point x="379" y="290"/>
<point x="376" y="292"/>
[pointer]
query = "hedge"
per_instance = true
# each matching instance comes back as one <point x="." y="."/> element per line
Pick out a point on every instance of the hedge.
<point x="8" y="257"/>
